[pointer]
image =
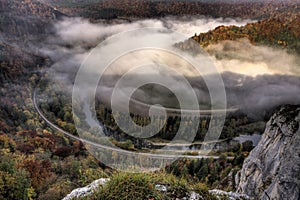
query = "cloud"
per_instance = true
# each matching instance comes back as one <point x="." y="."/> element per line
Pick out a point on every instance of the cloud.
<point x="256" y="78"/>
<point x="74" y="38"/>
<point x="244" y="58"/>
<point x="82" y="31"/>
<point x="259" y="94"/>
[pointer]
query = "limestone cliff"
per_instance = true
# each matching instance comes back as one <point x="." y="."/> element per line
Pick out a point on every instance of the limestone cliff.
<point x="272" y="170"/>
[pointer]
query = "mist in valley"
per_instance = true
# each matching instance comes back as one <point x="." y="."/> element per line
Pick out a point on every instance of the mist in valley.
<point x="256" y="78"/>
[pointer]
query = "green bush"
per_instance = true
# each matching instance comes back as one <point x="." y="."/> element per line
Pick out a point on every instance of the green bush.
<point x="14" y="183"/>
<point x="128" y="186"/>
<point x="141" y="186"/>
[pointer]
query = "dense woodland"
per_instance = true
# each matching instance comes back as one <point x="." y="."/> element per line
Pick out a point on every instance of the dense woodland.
<point x="235" y="123"/>
<point x="37" y="162"/>
<point x="281" y="31"/>
<point x="129" y="9"/>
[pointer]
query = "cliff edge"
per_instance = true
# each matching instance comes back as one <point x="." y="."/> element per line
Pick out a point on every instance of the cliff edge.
<point x="272" y="170"/>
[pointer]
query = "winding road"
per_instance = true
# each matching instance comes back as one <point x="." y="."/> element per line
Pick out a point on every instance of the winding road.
<point x="115" y="149"/>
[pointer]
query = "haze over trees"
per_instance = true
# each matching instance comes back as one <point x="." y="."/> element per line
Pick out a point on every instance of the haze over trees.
<point x="38" y="162"/>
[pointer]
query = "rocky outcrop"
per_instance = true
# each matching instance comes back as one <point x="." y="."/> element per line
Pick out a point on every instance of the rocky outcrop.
<point x="229" y="195"/>
<point x="272" y="170"/>
<point x="90" y="189"/>
<point x="86" y="191"/>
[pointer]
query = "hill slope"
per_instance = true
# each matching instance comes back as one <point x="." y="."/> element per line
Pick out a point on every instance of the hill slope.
<point x="280" y="31"/>
<point x="272" y="169"/>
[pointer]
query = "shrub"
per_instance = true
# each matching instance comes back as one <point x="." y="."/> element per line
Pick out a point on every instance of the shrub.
<point x="128" y="186"/>
<point x="14" y="183"/>
<point x="58" y="190"/>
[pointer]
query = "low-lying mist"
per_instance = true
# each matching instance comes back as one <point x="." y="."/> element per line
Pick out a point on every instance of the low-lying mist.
<point x="256" y="78"/>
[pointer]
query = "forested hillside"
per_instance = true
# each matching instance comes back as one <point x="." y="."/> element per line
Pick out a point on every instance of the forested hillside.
<point x="39" y="162"/>
<point x="110" y="9"/>
<point x="278" y="31"/>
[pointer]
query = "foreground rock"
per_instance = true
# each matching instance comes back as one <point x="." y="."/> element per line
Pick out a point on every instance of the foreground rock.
<point x="272" y="170"/>
<point x="90" y="189"/>
<point x="86" y="191"/>
<point x="230" y="195"/>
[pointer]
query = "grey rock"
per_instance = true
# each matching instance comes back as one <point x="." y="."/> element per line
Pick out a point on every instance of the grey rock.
<point x="161" y="188"/>
<point x="86" y="191"/>
<point x="272" y="170"/>
<point x="195" y="196"/>
<point x="192" y="196"/>
<point x="237" y="179"/>
<point x="230" y="195"/>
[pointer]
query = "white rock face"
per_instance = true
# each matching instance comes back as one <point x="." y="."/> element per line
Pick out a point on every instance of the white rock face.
<point x="86" y="191"/>
<point x="195" y="196"/>
<point x="230" y="195"/>
<point x="161" y="188"/>
<point x="272" y="170"/>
